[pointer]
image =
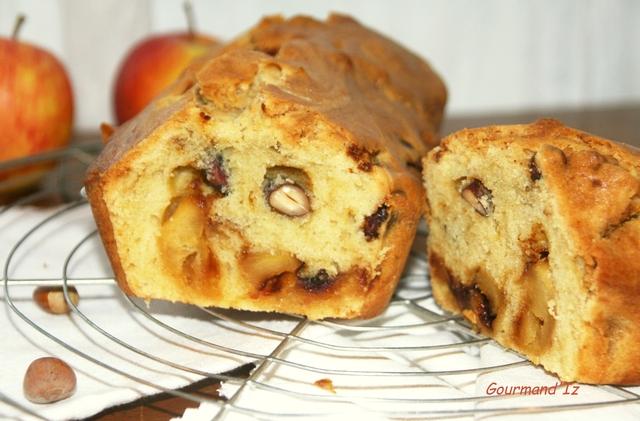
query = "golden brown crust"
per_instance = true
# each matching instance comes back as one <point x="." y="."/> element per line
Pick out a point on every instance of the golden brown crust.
<point x="596" y="185"/>
<point x="384" y="103"/>
<point x="543" y="131"/>
<point x="129" y="135"/>
<point x="383" y="98"/>
<point x="103" y="222"/>
<point x="341" y="57"/>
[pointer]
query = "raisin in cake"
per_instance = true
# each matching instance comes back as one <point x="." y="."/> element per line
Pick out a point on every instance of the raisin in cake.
<point x="280" y="174"/>
<point x="534" y="237"/>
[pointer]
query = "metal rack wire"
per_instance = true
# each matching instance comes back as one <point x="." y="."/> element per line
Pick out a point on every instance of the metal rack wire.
<point x="341" y="346"/>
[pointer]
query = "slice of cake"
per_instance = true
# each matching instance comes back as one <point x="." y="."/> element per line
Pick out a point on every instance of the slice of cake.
<point x="534" y="237"/>
<point x="280" y="174"/>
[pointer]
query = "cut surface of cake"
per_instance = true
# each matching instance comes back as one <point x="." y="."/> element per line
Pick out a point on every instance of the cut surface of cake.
<point x="281" y="174"/>
<point x="534" y="237"/>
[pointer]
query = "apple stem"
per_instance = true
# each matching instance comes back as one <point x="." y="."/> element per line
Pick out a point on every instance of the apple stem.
<point x="17" y="25"/>
<point x="188" y="11"/>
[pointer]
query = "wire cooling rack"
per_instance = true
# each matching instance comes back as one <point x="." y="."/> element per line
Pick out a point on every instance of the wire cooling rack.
<point x="415" y="361"/>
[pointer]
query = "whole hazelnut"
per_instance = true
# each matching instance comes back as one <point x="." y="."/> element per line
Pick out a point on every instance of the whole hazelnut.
<point x="289" y="199"/>
<point x="48" y="379"/>
<point x="51" y="299"/>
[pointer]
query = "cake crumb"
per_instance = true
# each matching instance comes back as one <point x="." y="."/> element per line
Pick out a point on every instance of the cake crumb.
<point x="325" y="384"/>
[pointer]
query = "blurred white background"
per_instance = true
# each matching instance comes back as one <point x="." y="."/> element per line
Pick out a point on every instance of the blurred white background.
<point x="495" y="55"/>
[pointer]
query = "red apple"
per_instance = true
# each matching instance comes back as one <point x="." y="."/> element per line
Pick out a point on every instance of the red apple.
<point x="151" y="66"/>
<point x="36" y="102"/>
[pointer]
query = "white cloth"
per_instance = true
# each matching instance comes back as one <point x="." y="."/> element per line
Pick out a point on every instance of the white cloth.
<point x="449" y="387"/>
<point x="43" y="255"/>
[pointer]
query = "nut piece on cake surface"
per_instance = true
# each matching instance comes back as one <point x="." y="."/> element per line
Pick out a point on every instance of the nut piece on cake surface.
<point x="48" y="380"/>
<point x="478" y="196"/>
<point x="51" y="299"/>
<point x="289" y="199"/>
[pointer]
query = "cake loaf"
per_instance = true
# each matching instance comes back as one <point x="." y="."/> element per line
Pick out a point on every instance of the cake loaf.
<point x="534" y="237"/>
<point x="280" y="174"/>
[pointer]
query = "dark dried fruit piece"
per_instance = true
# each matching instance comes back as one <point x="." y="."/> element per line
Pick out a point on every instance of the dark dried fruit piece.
<point x="372" y="223"/>
<point x="216" y="175"/>
<point x="472" y="298"/>
<point x="468" y="297"/>
<point x="317" y="283"/>
<point x="479" y="304"/>
<point x="534" y="172"/>
<point x="365" y="159"/>
<point x="478" y="196"/>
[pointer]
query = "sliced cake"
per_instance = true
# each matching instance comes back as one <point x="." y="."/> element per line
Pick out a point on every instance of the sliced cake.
<point x="534" y="237"/>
